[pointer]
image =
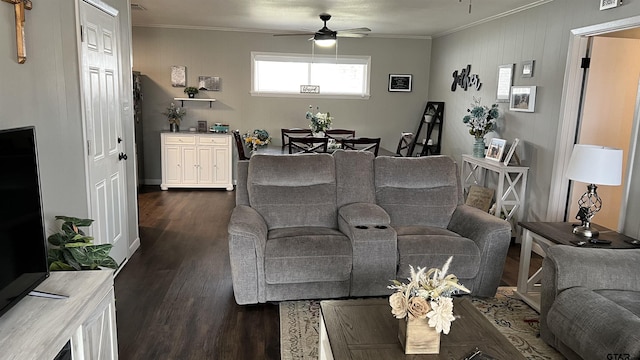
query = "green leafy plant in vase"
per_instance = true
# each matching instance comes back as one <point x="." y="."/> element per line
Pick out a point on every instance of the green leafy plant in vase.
<point x="174" y="115"/>
<point x="71" y="249"/>
<point x="191" y="91"/>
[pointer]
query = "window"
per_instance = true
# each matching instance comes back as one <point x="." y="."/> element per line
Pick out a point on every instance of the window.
<point x="276" y="74"/>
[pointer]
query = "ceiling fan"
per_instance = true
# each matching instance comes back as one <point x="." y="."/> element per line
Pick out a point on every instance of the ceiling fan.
<point x="327" y="37"/>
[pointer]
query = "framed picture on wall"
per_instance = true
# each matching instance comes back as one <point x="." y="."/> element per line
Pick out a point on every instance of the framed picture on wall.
<point x="523" y="98"/>
<point x="178" y="76"/>
<point x="209" y="83"/>
<point x="400" y="83"/>
<point x="527" y="68"/>
<point x="505" y="81"/>
<point x="496" y="149"/>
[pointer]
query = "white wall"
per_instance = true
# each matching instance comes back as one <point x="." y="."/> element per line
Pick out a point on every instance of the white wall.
<point x="540" y="34"/>
<point x="228" y="55"/>
<point x="45" y="92"/>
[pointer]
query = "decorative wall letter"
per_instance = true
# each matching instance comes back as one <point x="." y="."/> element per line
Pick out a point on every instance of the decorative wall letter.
<point x="465" y="79"/>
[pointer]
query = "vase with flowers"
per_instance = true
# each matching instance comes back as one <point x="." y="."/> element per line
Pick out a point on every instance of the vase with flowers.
<point x="174" y="115"/>
<point x="424" y="307"/>
<point x="480" y="120"/>
<point x="320" y="122"/>
<point x="256" y="139"/>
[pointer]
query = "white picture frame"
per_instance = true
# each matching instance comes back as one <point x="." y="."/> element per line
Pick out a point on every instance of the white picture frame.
<point x="527" y="68"/>
<point x="609" y="4"/>
<point x="523" y="98"/>
<point x="496" y="149"/>
<point x="511" y="152"/>
<point x="505" y="81"/>
<point x="178" y="76"/>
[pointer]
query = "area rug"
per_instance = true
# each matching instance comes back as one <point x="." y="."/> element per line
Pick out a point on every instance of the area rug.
<point x="299" y="326"/>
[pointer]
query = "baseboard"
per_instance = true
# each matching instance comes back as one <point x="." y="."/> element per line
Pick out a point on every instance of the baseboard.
<point x="151" y="181"/>
<point x="135" y="245"/>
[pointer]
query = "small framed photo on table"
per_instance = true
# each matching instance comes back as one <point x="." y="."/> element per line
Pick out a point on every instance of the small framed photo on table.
<point x="202" y="126"/>
<point x="496" y="149"/>
<point x="401" y="83"/>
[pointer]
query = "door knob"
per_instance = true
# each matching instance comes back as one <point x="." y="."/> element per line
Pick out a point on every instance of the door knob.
<point x="122" y="156"/>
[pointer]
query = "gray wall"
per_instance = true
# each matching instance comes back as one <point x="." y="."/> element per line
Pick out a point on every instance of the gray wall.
<point x="45" y="92"/>
<point x="228" y="55"/>
<point x="541" y="34"/>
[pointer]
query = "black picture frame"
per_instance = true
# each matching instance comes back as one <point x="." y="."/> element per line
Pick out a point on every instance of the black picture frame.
<point x="400" y="82"/>
<point x="202" y="126"/>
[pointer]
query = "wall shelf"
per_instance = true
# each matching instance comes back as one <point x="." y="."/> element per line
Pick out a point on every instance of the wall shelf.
<point x="182" y="100"/>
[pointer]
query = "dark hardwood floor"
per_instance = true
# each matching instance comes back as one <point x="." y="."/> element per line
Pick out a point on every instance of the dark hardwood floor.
<point x="174" y="298"/>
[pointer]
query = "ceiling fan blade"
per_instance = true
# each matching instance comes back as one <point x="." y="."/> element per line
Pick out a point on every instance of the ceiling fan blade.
<point x="351" y="35"/>
<point x="355" y="30"/>
<point x="295" y="34"/>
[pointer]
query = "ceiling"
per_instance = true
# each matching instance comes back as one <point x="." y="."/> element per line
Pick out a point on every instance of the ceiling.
<point x="385" y="18"/>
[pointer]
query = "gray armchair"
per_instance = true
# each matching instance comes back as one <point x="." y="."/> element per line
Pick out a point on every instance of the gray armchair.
<point x="590" y="304"/>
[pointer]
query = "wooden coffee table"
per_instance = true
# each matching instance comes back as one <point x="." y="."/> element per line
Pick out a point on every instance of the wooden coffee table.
<point x="365" y="329"/>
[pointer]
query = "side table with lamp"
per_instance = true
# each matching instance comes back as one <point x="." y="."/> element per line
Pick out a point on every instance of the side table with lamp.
<point x="595" y="165"/>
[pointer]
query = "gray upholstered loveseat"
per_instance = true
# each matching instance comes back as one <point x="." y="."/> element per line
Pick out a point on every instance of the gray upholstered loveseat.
<point x="330" y="226"/>
<point x="590" y="305"/>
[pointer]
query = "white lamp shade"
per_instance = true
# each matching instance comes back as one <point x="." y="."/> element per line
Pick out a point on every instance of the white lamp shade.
<point x="594" y="164"/>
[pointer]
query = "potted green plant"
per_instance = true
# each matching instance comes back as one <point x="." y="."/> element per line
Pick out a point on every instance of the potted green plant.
<point x="71" y="249"/>
<point x="191" y="91"/>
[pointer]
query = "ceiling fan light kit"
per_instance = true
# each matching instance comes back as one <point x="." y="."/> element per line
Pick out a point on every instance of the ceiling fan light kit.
<point x="326" y="37"/>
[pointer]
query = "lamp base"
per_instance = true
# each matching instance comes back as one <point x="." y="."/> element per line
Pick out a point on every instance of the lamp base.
<point x="586" y="231"/>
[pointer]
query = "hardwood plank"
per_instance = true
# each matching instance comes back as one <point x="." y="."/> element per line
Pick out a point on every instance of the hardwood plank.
<point x="174" y="298"/>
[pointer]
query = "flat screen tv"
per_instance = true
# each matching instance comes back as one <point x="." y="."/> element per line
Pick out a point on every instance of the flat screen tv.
<point x="23" y="246"/>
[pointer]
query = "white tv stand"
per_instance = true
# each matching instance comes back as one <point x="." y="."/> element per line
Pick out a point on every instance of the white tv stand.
<point x="38" y="328"/>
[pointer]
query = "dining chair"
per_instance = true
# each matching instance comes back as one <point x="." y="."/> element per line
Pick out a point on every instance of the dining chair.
<point x="239" y="145"/>
<point x="308" y="144"/>
<point x="404" y="145"/>
<point x="339" y="134"/>
<point x="286" y="133"/>
<point x="362" y="144"/>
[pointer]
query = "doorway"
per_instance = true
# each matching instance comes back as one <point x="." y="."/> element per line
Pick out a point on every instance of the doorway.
<point x="595" y="123"/>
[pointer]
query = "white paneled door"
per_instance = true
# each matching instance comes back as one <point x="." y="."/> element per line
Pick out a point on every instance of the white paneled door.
<point x="103" y="127"/>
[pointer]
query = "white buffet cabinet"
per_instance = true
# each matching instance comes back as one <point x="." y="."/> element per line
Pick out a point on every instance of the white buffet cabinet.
<point x="196" y="160"/>
<point x="38" y="328"/>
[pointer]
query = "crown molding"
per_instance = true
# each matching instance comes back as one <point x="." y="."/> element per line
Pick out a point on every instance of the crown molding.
<point x="491" y="18"/>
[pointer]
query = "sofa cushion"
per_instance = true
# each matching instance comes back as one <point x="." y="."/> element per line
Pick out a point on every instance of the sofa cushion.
<point x="293" y="190"/>
<point x="430" y="247"/>
<point x="354" y="177"/>
<point x="592" y="325"/>
<point x="417" y="190"/>
<point x="307" y="254"/>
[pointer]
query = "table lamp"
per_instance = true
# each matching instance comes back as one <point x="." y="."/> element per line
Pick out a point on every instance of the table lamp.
<point x="594" y="165"/>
